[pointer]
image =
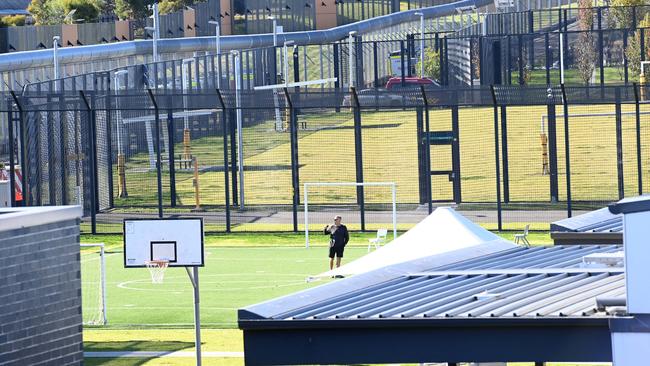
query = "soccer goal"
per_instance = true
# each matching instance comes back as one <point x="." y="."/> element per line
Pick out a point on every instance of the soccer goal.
<point x="93" y="284"/>
<point x="319" y="198"/>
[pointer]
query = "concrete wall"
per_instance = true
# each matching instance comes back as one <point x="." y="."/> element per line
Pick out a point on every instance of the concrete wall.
<point x="40" y="286"/>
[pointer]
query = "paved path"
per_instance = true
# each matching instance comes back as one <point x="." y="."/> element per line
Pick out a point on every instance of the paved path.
<point x="158" y="354"/>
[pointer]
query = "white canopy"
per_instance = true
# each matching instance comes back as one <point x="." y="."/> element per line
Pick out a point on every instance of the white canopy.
<point x="441" y="238"/>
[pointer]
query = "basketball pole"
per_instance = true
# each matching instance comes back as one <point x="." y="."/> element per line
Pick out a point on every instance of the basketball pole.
<point x="194" y="278"/>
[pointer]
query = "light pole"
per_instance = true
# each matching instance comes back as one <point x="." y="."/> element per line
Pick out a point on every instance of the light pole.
<point x="55" y="55"/>
<point x="121" y="161"/>
<point x="286" y="60"/>
<point x="275" y="30"/>
<point x="155" y="30"/>
<point x="240" y="138"/>
<point x="421" y="15"/>
<point x="351" y="57"/>
<point x="217" y="39"/>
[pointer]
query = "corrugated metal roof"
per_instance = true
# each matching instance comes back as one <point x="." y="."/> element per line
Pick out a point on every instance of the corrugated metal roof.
<point x="598" y="221"/>
<point x="476" y="295"/>
<point x="522" y="282"/>
<point x="559" y="256"/>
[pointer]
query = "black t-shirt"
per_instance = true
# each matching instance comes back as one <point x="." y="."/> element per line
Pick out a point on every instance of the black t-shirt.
<point x="340" y="236"/>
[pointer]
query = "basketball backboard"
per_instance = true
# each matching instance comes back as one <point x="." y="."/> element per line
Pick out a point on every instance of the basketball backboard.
<point x="179" y="241"/>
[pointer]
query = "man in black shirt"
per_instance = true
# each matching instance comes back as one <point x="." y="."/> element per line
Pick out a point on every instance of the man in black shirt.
<point x="339" y="237"/>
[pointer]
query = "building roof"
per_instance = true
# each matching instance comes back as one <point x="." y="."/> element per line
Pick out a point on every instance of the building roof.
<point x="598" y="221"/>
<point x="12" y="7"/>
<point x="529" y="282"/>
<point x="492" y="305"/>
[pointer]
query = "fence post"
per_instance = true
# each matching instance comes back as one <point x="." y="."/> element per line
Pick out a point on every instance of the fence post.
<point x="158" y="156"/>
<point x="548" y="58"/>
<point x="497" y="163"/>
<point x="295" y="180"/>
<point x="455" y="150"/>
<point x="233" y="156"/>
<point x="402" y="50"/>
<point x="625" y="66"/>
<point x="552" y="150"/>
<point x="567" y="150"/>
<point x="358" y="64"/>
<point x="337" y="83"/>
<point x="520" y="59"/>
<point x="427" y="151"/>
<point x="619" y="144"/>
<point x="601" y="63"/>
<point x="12" y="157"/>
<point x="23" y="151"/>
<point x="375" y="66"/>
<point x="358" y="153"/>
<point x="92" y="162"/>
<point x="637" y="115"/>
<point x="171" y="158"/>
<point x="504" y="152"/>
<point x="226" y="189"/>
<point x="64" y="183"/>
<point x="423" y="165"/>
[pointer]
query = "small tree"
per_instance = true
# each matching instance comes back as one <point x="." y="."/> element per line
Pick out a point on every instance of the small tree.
<point x="132" y="9"/>
<point x="623" y="13"/>
<point x="12" y="20"/>
<point x="432" y="63"/>
<point x="88" y="10"/>
<point x="46" y="12"/>
<point x="633" y="50"/>
<point x="585" y="48"/>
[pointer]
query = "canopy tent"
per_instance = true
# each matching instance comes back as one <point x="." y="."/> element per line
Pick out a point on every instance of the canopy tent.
<point x="445" y="234"/>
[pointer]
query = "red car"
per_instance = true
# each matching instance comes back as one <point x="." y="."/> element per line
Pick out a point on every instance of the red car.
<point x="395" y="83"/>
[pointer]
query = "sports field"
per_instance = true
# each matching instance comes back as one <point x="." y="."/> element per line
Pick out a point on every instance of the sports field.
<point x="240" y="270"/>
<point x="389" y="141"/>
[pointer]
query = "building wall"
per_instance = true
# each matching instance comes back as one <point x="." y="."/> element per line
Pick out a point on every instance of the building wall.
<point x="40" y="295"/>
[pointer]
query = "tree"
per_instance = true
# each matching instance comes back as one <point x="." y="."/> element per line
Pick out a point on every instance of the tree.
<point x="633" y="50"/>
<point x="88" y="10"/>
<point x="585" y="48"/>
<point x="432" y="63"/>
<point x="12" y="20"/>
<point x="132" y="9"/>
<point x="623" y="13"/>
<point x="170" y="6"/>
<point x="46" y="12"/>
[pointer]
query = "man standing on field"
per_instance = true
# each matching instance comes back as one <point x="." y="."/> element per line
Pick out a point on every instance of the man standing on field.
<point x="339" y="237"/>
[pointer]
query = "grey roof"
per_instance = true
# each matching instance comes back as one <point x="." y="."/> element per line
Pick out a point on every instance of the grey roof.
<point x="475" y="294"/>
<point x="598" y="221"/>
<point x="10" y="7"/>
<point x="521" y="282"/>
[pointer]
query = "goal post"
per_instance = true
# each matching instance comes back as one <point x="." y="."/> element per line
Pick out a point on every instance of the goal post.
<point x="391" y="185"/>
<point x="93" y="279"/>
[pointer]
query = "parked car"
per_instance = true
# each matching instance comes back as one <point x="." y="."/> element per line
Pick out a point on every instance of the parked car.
<point x="379" y="97"/>
<point x="395" y="83"/>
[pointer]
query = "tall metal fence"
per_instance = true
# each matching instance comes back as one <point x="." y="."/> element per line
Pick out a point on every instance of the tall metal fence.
<point x="503" y="156"/>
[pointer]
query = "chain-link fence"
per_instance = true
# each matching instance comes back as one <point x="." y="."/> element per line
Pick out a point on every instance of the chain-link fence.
<point x="503" y="156"/>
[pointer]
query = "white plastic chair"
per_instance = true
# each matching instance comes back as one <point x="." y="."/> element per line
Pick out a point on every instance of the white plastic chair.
<point x="381" y="238"/>
<point x="522" y="238"/>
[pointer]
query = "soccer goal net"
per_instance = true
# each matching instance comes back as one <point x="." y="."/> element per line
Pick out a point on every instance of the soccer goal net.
<point x="368" y="206"/>
<point x="93" y="284"/>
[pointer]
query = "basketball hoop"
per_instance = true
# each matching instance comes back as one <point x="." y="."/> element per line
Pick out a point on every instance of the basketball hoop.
<point x="157" y="269"/>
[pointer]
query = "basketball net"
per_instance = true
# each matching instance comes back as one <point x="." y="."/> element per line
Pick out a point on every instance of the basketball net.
<point x="157" y="269"/>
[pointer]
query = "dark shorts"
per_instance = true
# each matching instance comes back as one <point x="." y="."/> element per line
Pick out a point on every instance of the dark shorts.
<point x="336" y="250"/>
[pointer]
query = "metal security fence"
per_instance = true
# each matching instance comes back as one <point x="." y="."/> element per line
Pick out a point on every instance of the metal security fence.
<point x="503" y="156"/>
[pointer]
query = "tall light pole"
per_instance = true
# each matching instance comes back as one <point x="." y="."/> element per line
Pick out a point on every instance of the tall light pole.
<point x="55" y="55"/>
<point x="217" y="39"/>
<point x="421" y="15"/>
<point x="121" y="160"/>
<point x="155" y="30"/>
<point x="351" y="57"/>
<point x="275" y="30"/>
<point x="240" y="137"/>
<point x="286" y="60"/>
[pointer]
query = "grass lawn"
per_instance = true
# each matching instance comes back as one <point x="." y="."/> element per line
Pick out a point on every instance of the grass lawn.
<point x="390" y="154"/>
<point x="241" y="269"/>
